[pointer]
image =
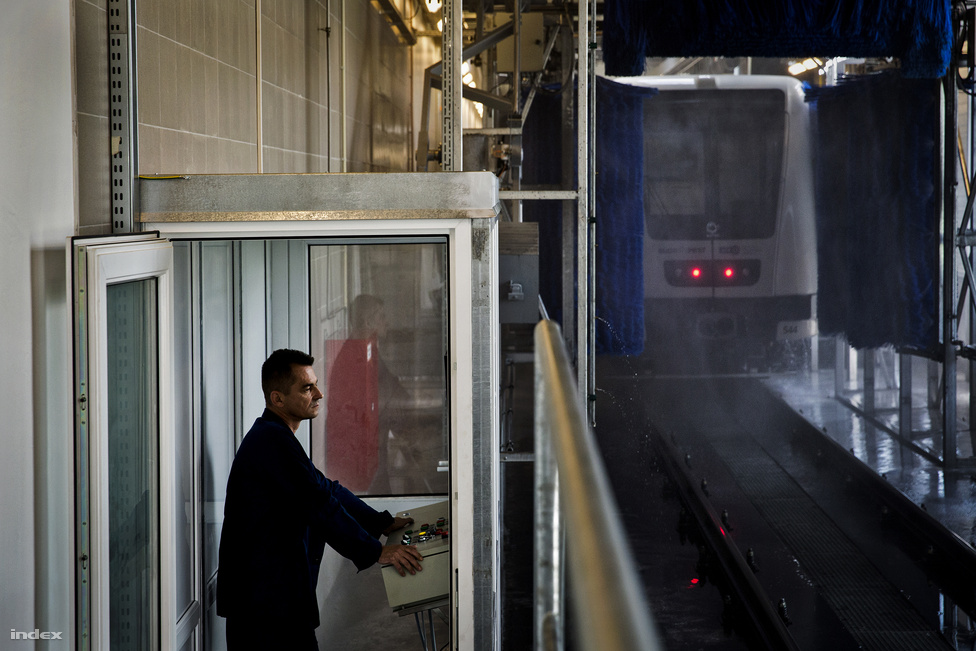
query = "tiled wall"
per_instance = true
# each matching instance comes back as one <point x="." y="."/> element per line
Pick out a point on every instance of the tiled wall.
<point x="197" y="93"/>
<point x="197" y="97"/>
<point x="196" y="86"/>
<point x="91" y="111"/>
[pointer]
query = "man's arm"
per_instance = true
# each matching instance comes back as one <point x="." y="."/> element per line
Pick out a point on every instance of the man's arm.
<point x="376" y="523"/>
<point x="404" y="558"/>
<point x="398" y="523"/>
<point x="340" y="530"/>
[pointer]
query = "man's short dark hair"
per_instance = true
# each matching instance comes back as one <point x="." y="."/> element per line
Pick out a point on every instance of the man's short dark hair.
<point x="277" y="373"/>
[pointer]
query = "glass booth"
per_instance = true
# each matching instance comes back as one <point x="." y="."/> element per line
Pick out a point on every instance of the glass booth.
<point x="387" y="281"/>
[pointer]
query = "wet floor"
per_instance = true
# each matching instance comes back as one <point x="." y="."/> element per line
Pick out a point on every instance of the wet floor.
<point x="687" y="606"/>
<point x="690" y="617"/>
<point x="904" y="460"/>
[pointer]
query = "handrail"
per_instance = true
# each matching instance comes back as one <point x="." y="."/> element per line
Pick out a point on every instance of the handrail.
<point x="610" y="611"/>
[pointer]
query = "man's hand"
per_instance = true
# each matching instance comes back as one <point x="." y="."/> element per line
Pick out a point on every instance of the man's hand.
<point x="398" y="523"/>
<point x="405" y="558"/>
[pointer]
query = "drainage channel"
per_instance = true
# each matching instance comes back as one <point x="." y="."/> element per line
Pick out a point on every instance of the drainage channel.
<point x="821" y="508"/>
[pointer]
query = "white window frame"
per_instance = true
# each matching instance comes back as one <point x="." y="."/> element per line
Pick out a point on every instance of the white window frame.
<point x="109" y="261"/>
<point x="459" y="234"/>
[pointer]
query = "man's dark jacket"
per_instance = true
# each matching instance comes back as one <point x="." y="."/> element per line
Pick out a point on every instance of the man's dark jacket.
<point x="279" y="514"/>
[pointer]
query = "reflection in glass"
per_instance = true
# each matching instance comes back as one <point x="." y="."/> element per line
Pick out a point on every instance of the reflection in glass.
<point x="379" y="336"/>
<point x="132" y="461"/>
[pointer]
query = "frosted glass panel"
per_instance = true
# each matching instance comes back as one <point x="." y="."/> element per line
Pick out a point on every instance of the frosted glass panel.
<point x="379" y="336"/>
<point x="132" y="461"/>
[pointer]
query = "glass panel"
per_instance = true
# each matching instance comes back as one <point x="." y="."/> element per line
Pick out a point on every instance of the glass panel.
<point x="132" y="461"/>
<point x="214" y="630"/>
<point x="183" y="432"/>
<point x="217" y="392"/>
<point x="713" y="156"/>
<point x="379" y="336"/>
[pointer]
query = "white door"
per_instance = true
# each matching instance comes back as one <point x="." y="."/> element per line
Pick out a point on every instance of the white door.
<point x="127" y="556"/>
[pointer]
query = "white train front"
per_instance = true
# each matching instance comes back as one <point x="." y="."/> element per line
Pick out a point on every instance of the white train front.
<point x="730" y="259"/>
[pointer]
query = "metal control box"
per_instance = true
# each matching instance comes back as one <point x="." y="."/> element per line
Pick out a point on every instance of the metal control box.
<point x="430" y="533"/>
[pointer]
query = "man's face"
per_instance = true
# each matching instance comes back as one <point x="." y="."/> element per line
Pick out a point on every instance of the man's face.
<point x="376" y="323"/>
<point x="302" y="400"/>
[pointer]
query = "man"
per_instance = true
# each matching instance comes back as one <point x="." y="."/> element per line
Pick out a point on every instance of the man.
<point x="280" y="512"/>
<point x="365" y="403"/>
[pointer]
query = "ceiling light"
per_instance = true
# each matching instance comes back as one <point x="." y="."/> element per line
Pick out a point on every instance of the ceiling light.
<point x="797" y="69"/>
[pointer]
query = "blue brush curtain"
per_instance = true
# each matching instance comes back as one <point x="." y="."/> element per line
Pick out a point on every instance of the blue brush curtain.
<point x="878" y="210"/>
<point x="918" y="32"/>
<point x="620" y="217"/>
<point x="619" y="318"/>
<point x="542" y="155"/>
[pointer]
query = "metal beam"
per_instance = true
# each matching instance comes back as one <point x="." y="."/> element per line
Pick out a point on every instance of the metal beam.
<point x="477" y="95"/>
<point x="451" y="142"/>
<point x="562" y="195"/>
<point x="435" y="72"/>
<point x="279" y="197"/>
<point x="122" y="114"/>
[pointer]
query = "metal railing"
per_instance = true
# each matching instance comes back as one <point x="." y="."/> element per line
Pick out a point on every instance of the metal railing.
<point x="610" y="612"/>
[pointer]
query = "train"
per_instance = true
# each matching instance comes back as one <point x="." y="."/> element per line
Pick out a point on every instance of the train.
<point x="730" y="254"/>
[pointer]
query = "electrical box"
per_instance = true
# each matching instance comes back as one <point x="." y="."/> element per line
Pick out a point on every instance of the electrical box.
<point x="533" y="38"/>
<point x="430" y="532"/>
<point x="518" y="272"/>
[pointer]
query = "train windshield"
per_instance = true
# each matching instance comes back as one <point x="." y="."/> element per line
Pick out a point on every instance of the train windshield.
<point x="713" y="163"/>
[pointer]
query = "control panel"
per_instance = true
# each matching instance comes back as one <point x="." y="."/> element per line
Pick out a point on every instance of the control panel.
<point x="430" y="533"/>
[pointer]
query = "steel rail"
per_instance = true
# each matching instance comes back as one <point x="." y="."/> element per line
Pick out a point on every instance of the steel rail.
<point x="610" y="611"/>
<point x="771" y="632"/>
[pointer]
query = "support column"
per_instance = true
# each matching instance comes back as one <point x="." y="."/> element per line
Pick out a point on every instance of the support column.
<point x="948" y="275"/>
<point x="122" y="114"/>
<point x="568" y="160"/>
<point x="905" y="396"/>
<point x="451" y="152"/>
